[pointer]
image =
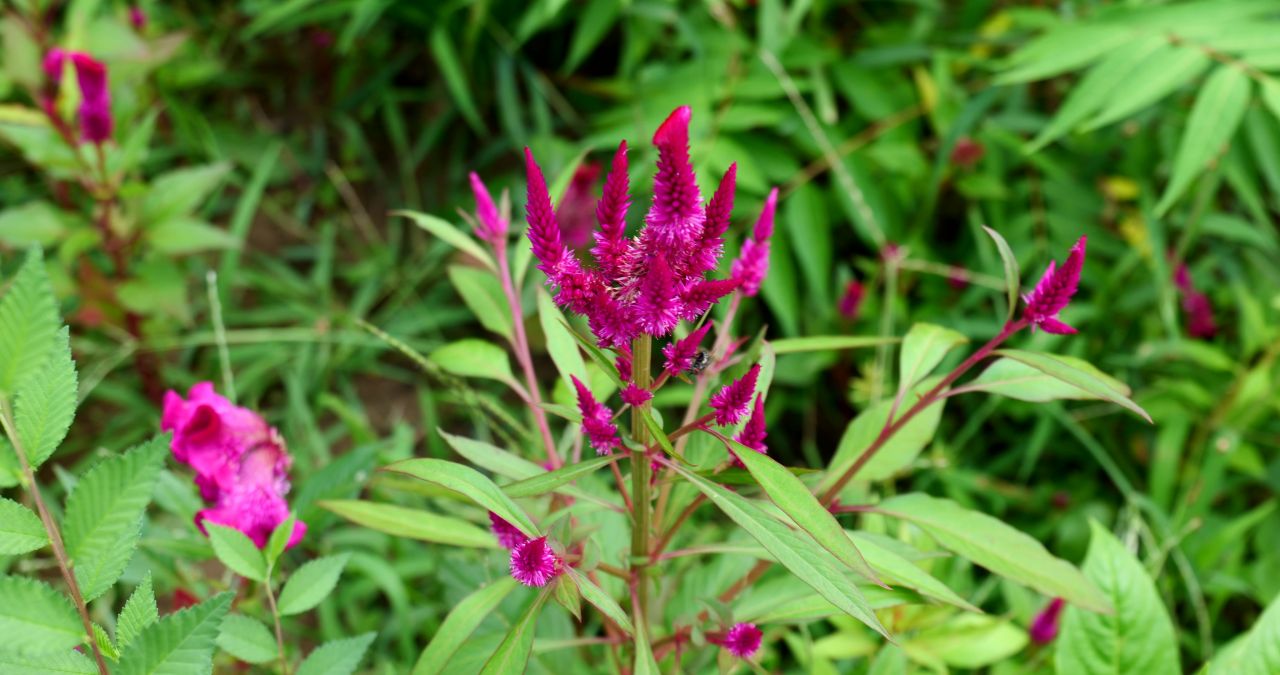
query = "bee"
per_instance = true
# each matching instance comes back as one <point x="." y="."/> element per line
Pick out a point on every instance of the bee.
<point x="699" y="363"/>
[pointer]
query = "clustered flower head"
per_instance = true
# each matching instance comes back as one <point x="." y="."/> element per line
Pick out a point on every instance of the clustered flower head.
<point x="1200" y="321"/>
<point x="1053" y="292"/>
<point x="534" y="563"/>
<point x="597" y="420"/>
<point x="742" y="640"/>
<point x="753" y="432"/>
<point x="96" y="123"/>
<point x="509" y="536"/>
<point x="635" y="396"/>
<point x="240" y="461"/>
<point x="753" y="262"/>
<point x="731" y="402"/>
<point x="646" y="284"/>
<point x="1044" y="627"/>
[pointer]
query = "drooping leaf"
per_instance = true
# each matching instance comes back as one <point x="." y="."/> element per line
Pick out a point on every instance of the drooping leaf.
<point x="139" y="612"/>
<point x="29" y="322"/>
<point x="34" y="618"/>
<point x="1152" y="80"/>
<point x="602" y="601"/>
<point x="1217" y="112"/>
<point x="20" y="530"/>
<point x="451" y="235"/>
<point x="181" y="643"/>
<point x="237" y="551"/>
<point x="178" y="193"/>
<point x="996" y="546"/>
<point x="483" y="296"/>
<point x="1016" y="379"/>
<point x="492" y="458"/>
<point x="923" y="349"/>
<point x="474" y="358"/>
<point x="902" y="447"/>
<point x="247" y="639"/>
<point x="339" y="657"/>
<point x="46" y="403"/>
<point x="1012" y="275"/>
<point x="311" y="584"/>
<point x="549" y="481"/>
<point x="512" y="654"/>
<point x="104" y="514"/>
<point x="414" y="523"/>
<point x="1076" y="376"/>
<point x="460" y="624"/>
<point x="899" y="571"/>
<point x="469" y="483"/>
<point x="1137" y="638"/>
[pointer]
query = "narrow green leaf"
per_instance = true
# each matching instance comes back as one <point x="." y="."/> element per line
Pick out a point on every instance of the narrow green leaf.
<point x="596" y="596"/>
<point x="413" y="523"/>
<point x="805" y="559"/>
<point x="549" y="481"/>
<point x="512" y="654"/>
<point x="560" y="343"/>
<point x="1063" y="49"/>
<point x="968" y="641"/>
<point x="139" y="612"/>
<point x="29" y="322"/>
<point x="567" y="595"/>
<point x="46" y="403"/>
<point x="446" y="232"/>
<point x="1217" y="112"/>
<point x="237" y="551"/>
<point x="1076" y="376"/>
<point x="822" y="343"/>
<point x="104" y="514"/>
<point x="339" y="657"/>
<point x="644" y="663"/>
<point x="592" y="25"/>
<point x="795" y="500"/>
<point x="492" y="458"/>
<point x="460" y="624"/>
<point x="178" y="193"/>
<point x="1271" y="96"/>
<point x="1012" y="275"/>
<point x="20" y="530"/>
<point x="183" y="236"/>
<point x="484" y="296"/>
<point x="65" y="662"/>
<point x="923" y="349"/>
<point x="900" y="450"/>
<point x="469" y="483"/>
<point x="1154" y="79"/>
<point x="181" y="643"/>
<point x="105" y="645"/>
<point x="897" y="570"/>
<point x="279" y="540"/>
<point x="1137" y="638"/>
<point x="1016" y="379"/>
<point x="996" y="546"/>
<point x="247" y="639"/>
<point x="311" y="584"/>
<point x="34" y="618"/>
<point x="1258" y="652"/>
<point x="474" y="358"/>
<point x="455" y="78"/>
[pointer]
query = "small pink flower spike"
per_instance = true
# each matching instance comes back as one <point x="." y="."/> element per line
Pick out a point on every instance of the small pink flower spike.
<point x="544" y="230"/>
<point x="533" y="563"/>
<point x="1044" y="627"/>
<point x="743" y="640"/>
<point x="718" y="214"/>
<point x="1053" y="293"/>
<point x="676" y="216"/>
<point x="576" y="210"/>
<point x="731" y="402"/>
<point x="753" y="262"/>
<point x="54" y="62"/>
<point x="680" y="353"/>
<point x="657" y="301"/>
<point x="137" y="17"/>
<point x="507" y="534"/>
<point x="635" y="396"/>
<point x="612" y="248"/>
<point x="96" y="123"/>
<point x="597" y="421"/>
<point x="851" y="301"/>
<point x="754" y="432"/>
<point x="490" y="225"/>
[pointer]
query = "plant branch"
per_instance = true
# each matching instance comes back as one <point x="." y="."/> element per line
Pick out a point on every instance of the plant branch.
<point x="275" y="615"/>
<point x="641" y="352"/>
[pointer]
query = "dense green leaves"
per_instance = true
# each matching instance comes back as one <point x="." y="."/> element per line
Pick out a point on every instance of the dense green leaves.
<point x="1137" y="638"/>
<point x="339" y="657"/>
<point x="311" y="583"/>
<point x="460" y="623"/>
<point x="20" y="530"/>
<point x="181" y="643"/>
<point x="34" y="618"/>
<point x="414" y="523"/>
<point x="28" y="323"/>
<point x="246" y="639"/>
<point x="1214" y="118"/>
<point x="470" y="483"/>
<point x="46" y="402"/>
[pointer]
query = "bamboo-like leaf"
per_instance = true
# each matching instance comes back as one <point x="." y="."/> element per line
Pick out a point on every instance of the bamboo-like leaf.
<point x="1217" y="112"/>
<point x="455" y="77"/>
<point x="1012" y="275"/>
<point x="512" y="654"/>
<point x="310" y="584"/>
<point x="181" y="643"/>
<point x="822" y="343"/>
<point x="1016" y="379"/>
<point x="596" y="596"/>
<point x="1154" y="79"/>
<point x="460" y="624"/>
<point x="492" y="458"/>
<point x="450" y="235"/>
<point x="34" y="618"/>
<point x="339" y="657"/>
<point x="897" y="570"/>
<point x="549" y="481"/>
<point x="1075" y="376"/>
<point x="20" y="530"/>
<point x="469" y="483"/>
<point x="413" y="523"/>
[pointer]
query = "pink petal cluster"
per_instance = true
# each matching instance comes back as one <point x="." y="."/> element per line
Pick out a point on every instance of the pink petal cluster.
<point x="1053" y="293"/>
<point x="754" y="432"/>
<point x="743" y="640"/>
<point x="533" y="563"/>
<point x="635" y="396"/>
<point x="576" y="212"/>
<point x="1044" y="627"/>
<point x="680" y="352"/>
<point x="96" y="123"/>
<point x="508" y="535"/>
<point x="240" y="461"/>
<point x="489" y="225"/>
<point x="731" y="402"/>
<point x="851" y="302"/>
<point x="647" y="283"/>
<point x="1199" y="311"/>
<point x="753" y="261"/>
<point x="597" y="420"/>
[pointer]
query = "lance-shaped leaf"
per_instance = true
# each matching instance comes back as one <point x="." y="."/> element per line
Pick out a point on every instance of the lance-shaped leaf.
<point x="35" y="618"/>
<point x="46" y="402"/>
<point x="1075" y="376"/>
<point x="1217" y="112"/>
<point x="339" y="657"/>
<point x="475" y="358"/>
<point x="460" y="624"/>
<point x="549" y="481"/>
<point x="644" y="663"/>
<point x="413" y="523"/>
<point x="469" y="483"/>
<point x="451" y="235"/>
<point x="823" y="343"/>
<point x="181" y="643"/>
<point x="1016" y="379"/>
<point x="311" y="584"/>
<point x="561" y="344"/>
<point x="247" y="639"/>
<point x="20" y="530"/>
<point x="923" y="349"/>
<point x="596" y="596"/>
<point x="484" y="297"/>
<point x="512" y="654"/>
<point x="28" y="323"/>
<point x="237" y="551"/>
<point x="1012" y="275"/>
<point x="492" y="458"/>
<point x="898" y="451"/>
<point x="897" y="570"/>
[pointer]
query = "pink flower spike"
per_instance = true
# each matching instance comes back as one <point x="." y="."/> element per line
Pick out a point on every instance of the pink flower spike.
<point x="54" y="62"/>
<point x="1044" y="627"/>
<point x="680" y="353"/>
<point x="490" y="225"/>
<point x="703" y="294"/>
<point x="851" y="301"/>
<point x="576" y="210"/>
<point x="507" y="534"/>
<point x="753" y="262"/>
<point x="612" y="248"/>
<point x="743" y="640"/>
<point x="635" y="396"/>
<point x="754" y="432"/>
<point x="96" y="123"/>
<point x="533" y="563"/>
<point x="676" y="216"/>
<point x="657" y="301"/>
<point x="597" y="420"/>
<point x="137" y="17"/>
<point x="718" y="214"/>
<point x="731" y="402"/>
<point x="544" y="230"/>
<point x="1053" y="293"/>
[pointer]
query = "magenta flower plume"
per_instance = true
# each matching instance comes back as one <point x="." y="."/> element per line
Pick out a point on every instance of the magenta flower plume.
<point x="680" y="352"/>
<point x="533" y="563"/>
<point x="137" y="17"/>
<point x="95" y="99"/>
<point x="1044" y="627"/>
<point x="753" y="262"/>
<point x="613" y="249"/>
<point x="743" y="640"/>
<point x="676" y="216"/>
<point x="718" y="213"/>
<point x="53" y="63"/>
<point x="576" y="211"/>
<point x="597" y="420"/>
<point x="635" y="396"/>
<point x="851" y="301"/>
<point x="240" y="462"/>
<point x="1053" y="293"/>
<point x="1196" y="305"/>
<point x="754" y="432"/>
<point x="490" y="225"/>
<point x="731" y="402"/>
<point x="507" y="534"/>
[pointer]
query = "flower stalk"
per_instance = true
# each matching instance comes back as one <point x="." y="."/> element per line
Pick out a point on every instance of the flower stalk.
<point x="641" y="353"/>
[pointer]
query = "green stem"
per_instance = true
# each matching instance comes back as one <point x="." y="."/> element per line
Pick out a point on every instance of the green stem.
<point x="641" y="352"/>
<point x="275" y="615"/>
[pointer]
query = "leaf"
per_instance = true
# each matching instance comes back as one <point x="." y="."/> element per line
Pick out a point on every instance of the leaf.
<point x="177" y="193"/>
<point x="29" y="323"/>
<point x="923" y="349"/>
<point x="104" y="513"/>
<point x="997" y="547"/>
<point x="821" y="343"/>
<point x="446" y="232"/>
<point x="66" y="662"/>
<point x="1271" y="96"/>
<point x="592" y="25"/>
<point x="602" y="601"/>
<point x="1016" y="379"/>
<point x="237" y="551"/>
<point x="181" y="643"/>
<point x="278" y="541"/>
<point x="567" y="595"/>
<point x="33" y="223"/>
<point x="469" y="483"/>
<point x="139" y="612"/>
<point x="897" y="570"/>
<point x="34" y="618"/>
<point x="492" y="458"/>
<point x="1062" y="50"/>
<point x="247" y="639"/>
<point x="338" y="657"/>
<point x="968" y="641"/>
<point x="644" y="663"/>
<point x="412" y="523"/>
<point x="1012" y="275"/>
<point x="46" y="403"/>
<point x="512" y="653"/>
<point x="104" y="643"/>
<point x="561" y="345"/>
<point x="1258" y="652"/>
<point x="182" y="236"/>
<point x="455" y="78"/>
<point x="899" y="451"/>
<point x="482" y="294"/>
<point x="549" y="481"/>
<point x="795" y="500"/>
<point x="1074" y="375"/>
<point x="1217" y="112"/>
<point x="1137" y="638"/>
<point x="474" y="358"/>
<point x="1152" y="80"/>
<point x="311" y="584"/>
<point x="460" y="624"/>
<point x="805" y="559"/>
<point x="20" y="530"/>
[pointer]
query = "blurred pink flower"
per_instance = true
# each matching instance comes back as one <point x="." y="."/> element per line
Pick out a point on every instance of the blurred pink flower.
<point x="489" y="224"/>
<point x="851" y="301"/>
<point x="54" y="62"/>
<point x="533" y="563"/>
<point x="240" y="461"/>
<point x="754" y="432"/>
<point x="137" y="17"/>
<point x="1053" y="292"/>
<point x="1196" y="305"/>
<point x="635" y="396"/>
<point x="732" y="401"/>
<point x="597" y="420"/>
<point x="577" y="209"/>
<point x="95" y="98"/>
<point x="743" y="640"/>
<point x="1044" y="627"/>
<point x="753" y="262"/>
<point x="507" y="534"/>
